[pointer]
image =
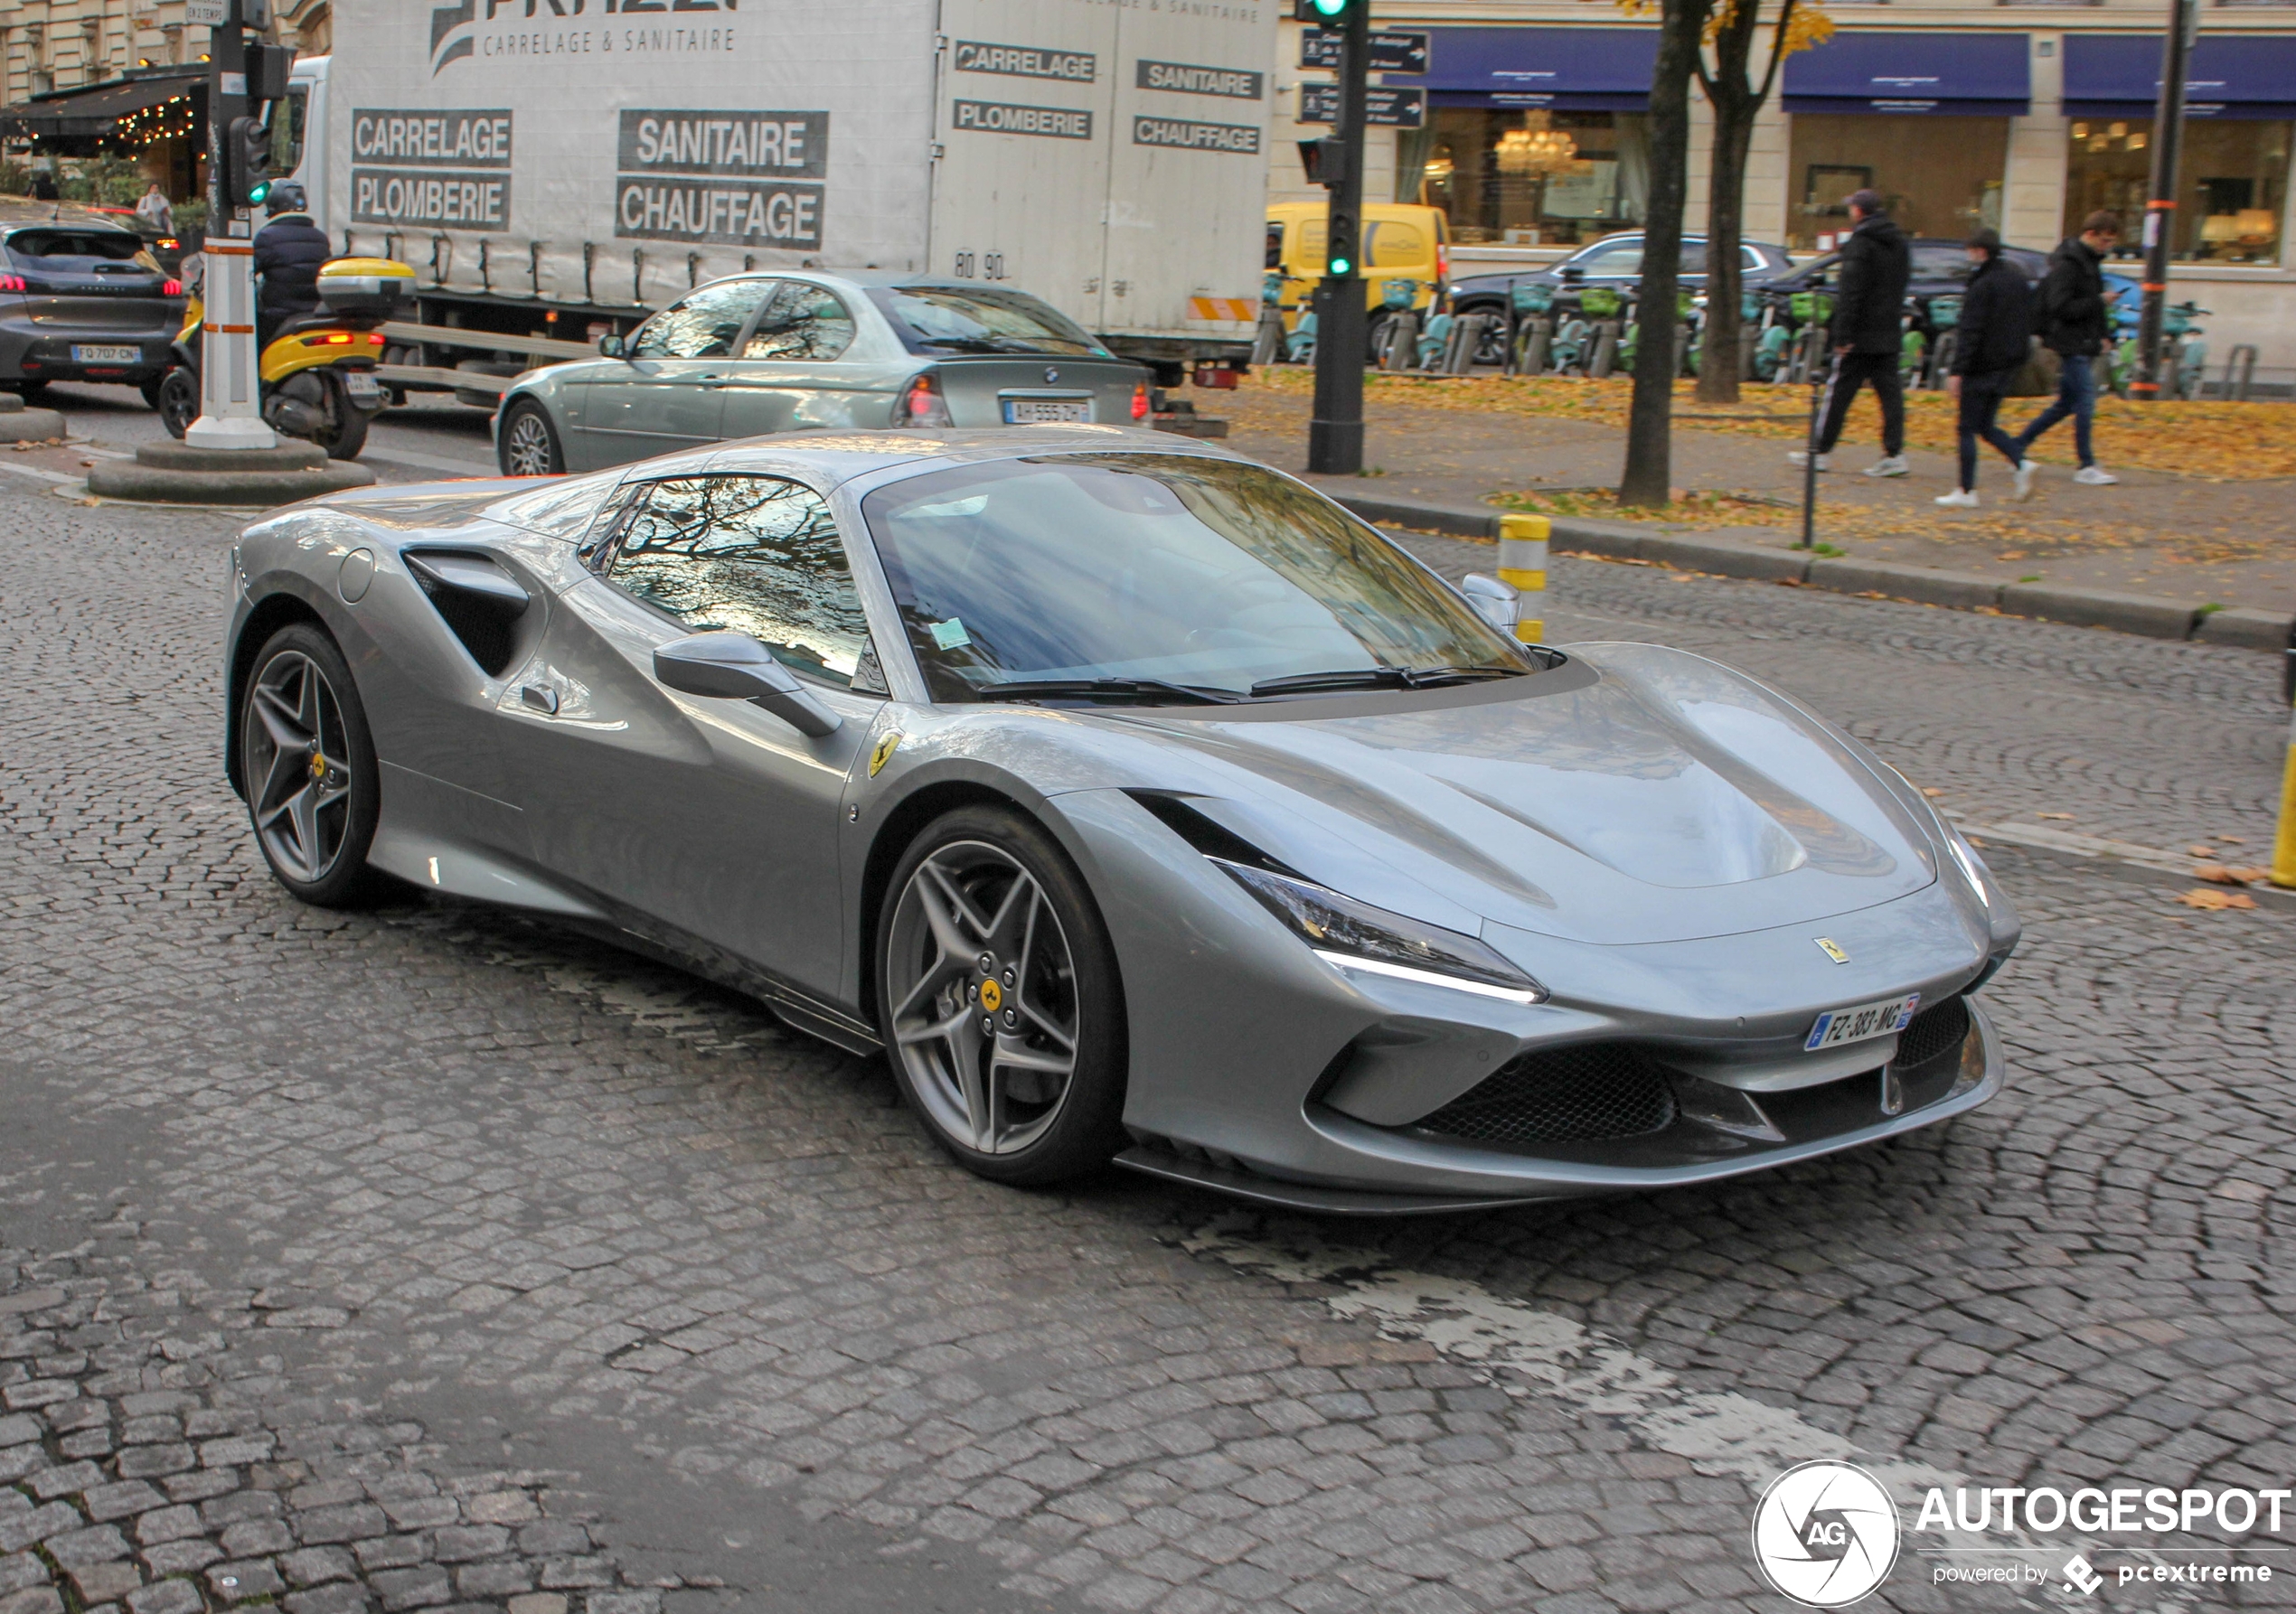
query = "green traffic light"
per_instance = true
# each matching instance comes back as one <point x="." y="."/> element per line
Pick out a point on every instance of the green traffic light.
<point x="1340" y="266"/>
<point x="256" y="193"/>
<point x="1331" y="8"/>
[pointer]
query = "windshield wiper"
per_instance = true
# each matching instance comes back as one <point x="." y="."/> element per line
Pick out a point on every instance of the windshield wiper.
<point x="1381" y="677"/>
<point x="1108" y="689"/>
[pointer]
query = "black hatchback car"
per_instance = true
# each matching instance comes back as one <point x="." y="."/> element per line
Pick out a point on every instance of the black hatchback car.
<point x="1615" y="261"/>
<point x="83" y="301"/>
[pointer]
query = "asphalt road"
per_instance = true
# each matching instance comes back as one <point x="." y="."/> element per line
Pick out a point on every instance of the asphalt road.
<point x="432" y="1257"/>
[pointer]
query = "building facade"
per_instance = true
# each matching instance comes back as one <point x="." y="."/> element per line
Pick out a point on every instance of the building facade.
<point x="2025" y="117"/>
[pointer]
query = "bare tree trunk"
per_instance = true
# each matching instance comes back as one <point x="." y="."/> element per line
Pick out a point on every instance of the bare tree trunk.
<point x="1736" y="104"/>
<point x="1648" y="426"/>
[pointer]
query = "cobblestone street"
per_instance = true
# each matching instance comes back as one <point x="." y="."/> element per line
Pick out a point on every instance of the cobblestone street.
<point x="435" y="1258"/>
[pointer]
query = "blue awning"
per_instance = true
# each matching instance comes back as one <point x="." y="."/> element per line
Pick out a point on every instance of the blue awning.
<point x="2231" y="75"/>
<point x="1570" y="69"/>
<point x="1966" y="75"/>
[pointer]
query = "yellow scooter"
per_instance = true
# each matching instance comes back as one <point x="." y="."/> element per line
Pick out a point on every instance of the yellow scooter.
<point x="317" y="370"/>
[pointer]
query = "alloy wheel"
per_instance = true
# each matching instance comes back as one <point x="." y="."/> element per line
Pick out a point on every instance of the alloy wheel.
<point x="296" y="747"/>
<point x="527" y="450"/>
<point x="985" y="1011"/>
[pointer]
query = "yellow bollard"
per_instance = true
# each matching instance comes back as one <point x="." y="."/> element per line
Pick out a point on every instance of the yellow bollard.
<point x="2284" y="847"/>
<point x="1522" y="566"/>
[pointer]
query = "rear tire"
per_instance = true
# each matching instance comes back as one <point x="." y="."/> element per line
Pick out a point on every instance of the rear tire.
<point x="1038" y="1096"/>
<point x="527" y="443"/>
<point x="178" y="401"/>
<point x="350" y="433"/>
<point x="30" y="392"/>
<point x="307" y="762"/>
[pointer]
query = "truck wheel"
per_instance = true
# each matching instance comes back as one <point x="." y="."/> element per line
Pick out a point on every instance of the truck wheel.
<point x="529" y="445"/>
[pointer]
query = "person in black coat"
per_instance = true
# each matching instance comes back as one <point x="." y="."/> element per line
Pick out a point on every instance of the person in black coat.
<point x="2076" y="323"/>
<point x="1990" y="344"/>
<point x="1868" y="332"/>
<point x="288" y="251"/>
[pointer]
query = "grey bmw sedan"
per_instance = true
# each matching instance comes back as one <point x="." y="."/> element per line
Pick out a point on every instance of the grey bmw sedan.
<point x="757" y="354"/>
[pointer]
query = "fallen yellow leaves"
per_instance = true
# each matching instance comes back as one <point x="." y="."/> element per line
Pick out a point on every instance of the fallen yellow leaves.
<point x="2211" y="898"/>
<point x="2234" y="442"/>
<point x="2227" y="875"/>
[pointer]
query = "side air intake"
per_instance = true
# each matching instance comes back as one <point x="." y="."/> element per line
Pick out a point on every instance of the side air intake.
<point x="478" y="599"/>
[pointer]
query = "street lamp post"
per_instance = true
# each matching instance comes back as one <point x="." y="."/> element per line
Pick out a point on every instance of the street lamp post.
<point x="1335" y="425"/>
<point x="2161" y="210"/>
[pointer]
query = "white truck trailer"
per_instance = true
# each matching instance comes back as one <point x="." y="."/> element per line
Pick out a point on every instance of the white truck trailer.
<point x="555" y="170"/>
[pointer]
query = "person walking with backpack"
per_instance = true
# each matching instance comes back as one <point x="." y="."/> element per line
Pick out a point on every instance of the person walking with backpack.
<point x="2077" y="322"/>
<point x="1869" y="333"/>
<point x="1990" y="341"/>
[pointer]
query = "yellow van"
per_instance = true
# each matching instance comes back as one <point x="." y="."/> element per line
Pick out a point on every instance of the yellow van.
<point x="1401" y="241"/>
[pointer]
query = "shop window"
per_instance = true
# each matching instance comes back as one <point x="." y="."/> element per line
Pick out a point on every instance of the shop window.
<point x="2232" y="185"/>
<point x="1941" y="174"/>
<point x="1537" y="178"/>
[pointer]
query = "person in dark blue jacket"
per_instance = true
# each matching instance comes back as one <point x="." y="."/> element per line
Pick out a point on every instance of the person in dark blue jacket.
<point x="288" y="251"/>
<point x="1990" y="346"/>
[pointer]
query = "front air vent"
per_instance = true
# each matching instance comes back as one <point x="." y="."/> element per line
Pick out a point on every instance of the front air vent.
<point x="476" y="597"/>
<point x="1936" y="1031"/>
<point x="1213" y="839"/>
<point x="1562" y="1095"/>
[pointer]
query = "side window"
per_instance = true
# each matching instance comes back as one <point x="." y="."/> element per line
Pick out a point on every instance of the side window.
<point x="803" y="323"/>
<point x="1693" y="258"/>
<point x="704" y="325"/>
<point x="1275" y="246"/>
<point x="1614" y="263"/>
<point x="756" y="555"/>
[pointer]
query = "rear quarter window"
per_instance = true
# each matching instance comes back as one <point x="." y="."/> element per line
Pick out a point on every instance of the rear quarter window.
<point x="74" y="249"/>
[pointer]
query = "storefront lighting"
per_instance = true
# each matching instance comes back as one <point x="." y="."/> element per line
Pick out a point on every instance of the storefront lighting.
<point x="1536" y="151"/>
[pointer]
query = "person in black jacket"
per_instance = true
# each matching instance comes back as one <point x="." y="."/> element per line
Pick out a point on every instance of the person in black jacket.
<point x="1990" y="343"/>
<point x="2077" y="322"/>
<point x="1868" y="332"/>
<point x="288" y="251"/>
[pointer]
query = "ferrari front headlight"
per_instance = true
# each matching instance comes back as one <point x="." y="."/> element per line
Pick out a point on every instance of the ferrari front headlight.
<point x="1352" y="935"/>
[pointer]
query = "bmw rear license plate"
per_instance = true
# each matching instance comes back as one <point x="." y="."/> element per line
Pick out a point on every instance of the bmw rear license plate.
<point x="1860" y="1021"/>
<point x="362" y="386"/>
<point x="91" y="352"/>
<point x="1036" y="411"/>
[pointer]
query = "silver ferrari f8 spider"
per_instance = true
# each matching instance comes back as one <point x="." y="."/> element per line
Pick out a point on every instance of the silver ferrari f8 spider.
<point x="1136" y="802"/>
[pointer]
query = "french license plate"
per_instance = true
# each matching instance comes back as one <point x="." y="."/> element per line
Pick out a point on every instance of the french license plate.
<point x="90" y="352"/>
<point x="1036" y="411"/>
<point x="361" y="385"/>
<point x="1860" y="1021"/>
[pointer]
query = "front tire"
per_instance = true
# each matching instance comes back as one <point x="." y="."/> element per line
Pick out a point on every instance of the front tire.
<point x="177" y="400"/>
<point x="999" y="1000"/>
<point x="528" y="445"/>
<point x="307" y="761"/>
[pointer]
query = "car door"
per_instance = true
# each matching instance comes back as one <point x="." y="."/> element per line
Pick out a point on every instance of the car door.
<point x="711" y="818"/>
<point x="794" y="371"/>
<point x="664" y="395"/>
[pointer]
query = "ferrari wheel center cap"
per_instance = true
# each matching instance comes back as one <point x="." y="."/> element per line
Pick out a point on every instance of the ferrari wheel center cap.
<point x="992" y="995"/>
<point x="318" y="765"/>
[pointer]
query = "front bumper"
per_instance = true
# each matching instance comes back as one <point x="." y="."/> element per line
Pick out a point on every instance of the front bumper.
<point x="1257" y="1070"/>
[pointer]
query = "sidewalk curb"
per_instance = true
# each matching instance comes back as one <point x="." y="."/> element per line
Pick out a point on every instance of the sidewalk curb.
<point x="2147" y="616"/>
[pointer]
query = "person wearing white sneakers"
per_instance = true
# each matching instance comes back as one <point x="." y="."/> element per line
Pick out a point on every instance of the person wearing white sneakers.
<point x="1989" y="342"/>
<point x="2077" y="322"/>
<point x="1868" y="310"/>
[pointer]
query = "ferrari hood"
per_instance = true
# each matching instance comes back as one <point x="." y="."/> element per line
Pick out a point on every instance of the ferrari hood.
<point x="1665" y="798"/>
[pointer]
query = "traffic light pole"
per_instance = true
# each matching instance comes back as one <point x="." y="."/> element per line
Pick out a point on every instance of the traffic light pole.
<point x="1335" y="427"/>
<point x="231" y="394"/>
<point x="2161" y="210"/>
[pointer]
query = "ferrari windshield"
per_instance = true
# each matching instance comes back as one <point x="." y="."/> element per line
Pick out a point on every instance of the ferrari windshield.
<point x="1185" y="576"/>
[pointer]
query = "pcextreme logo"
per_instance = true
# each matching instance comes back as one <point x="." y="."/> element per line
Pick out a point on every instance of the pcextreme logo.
<point x="1825" y="1534"/>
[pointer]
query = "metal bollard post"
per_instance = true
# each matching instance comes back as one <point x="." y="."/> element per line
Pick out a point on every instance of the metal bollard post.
<point x="2283" y="873"/>
<point x="1522" y="566"/>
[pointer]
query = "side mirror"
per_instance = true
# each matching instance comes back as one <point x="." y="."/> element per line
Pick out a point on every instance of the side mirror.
<point x="736" y="667"/>
<point x="1572" y="273"/>
<point x="1491" y="600"/>
<point x="610" y="347"/>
